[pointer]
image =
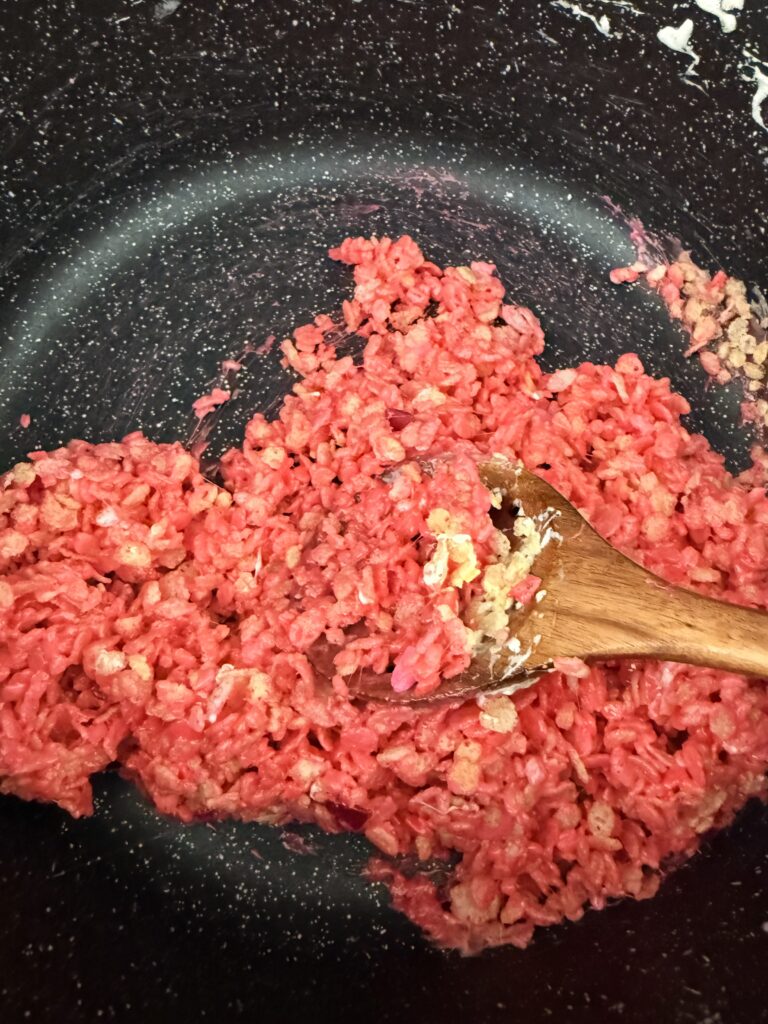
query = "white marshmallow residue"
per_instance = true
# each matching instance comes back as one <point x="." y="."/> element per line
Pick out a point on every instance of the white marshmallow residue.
<point x="602" y="24"/>
<point x="513" y="667"/>
<point x="761" y="94"/>
<point x="721" y="9"/>
<point x="679" y="40"/>
<point x="752" y="72"/>
<point x="165" y="8"/>
<point x="625" y="5"/>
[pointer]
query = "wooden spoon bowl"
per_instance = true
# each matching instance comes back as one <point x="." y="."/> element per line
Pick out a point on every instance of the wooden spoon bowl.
<point x="597" y="605"/>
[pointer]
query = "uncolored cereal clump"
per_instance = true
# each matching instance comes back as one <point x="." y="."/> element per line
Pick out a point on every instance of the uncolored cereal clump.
<point x="728" y="333"/>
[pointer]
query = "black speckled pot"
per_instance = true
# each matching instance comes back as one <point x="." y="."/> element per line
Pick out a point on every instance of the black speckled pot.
<point x="165" y="167"/>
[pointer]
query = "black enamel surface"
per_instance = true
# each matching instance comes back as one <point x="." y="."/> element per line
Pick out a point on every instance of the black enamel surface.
<point x="170" y="179"/>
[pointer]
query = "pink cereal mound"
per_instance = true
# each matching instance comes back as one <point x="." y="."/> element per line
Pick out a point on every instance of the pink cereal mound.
<point x="152" y="618"/>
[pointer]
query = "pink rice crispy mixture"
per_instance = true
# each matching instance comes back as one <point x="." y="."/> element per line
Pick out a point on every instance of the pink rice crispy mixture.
<point x="153" y="618"/>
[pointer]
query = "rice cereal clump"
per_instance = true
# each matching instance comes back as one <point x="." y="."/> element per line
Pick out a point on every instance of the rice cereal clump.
<point x="203" y="635"/>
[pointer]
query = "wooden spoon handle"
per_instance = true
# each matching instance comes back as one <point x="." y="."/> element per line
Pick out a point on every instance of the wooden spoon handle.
<point x="610" y="606"/>
<point x="674" y="624"/>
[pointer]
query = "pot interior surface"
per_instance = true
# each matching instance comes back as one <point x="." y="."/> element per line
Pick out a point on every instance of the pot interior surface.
<point x="175" y="173"/>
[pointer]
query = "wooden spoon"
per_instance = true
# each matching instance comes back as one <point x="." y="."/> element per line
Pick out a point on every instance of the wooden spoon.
<point x="598" y="604"/>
